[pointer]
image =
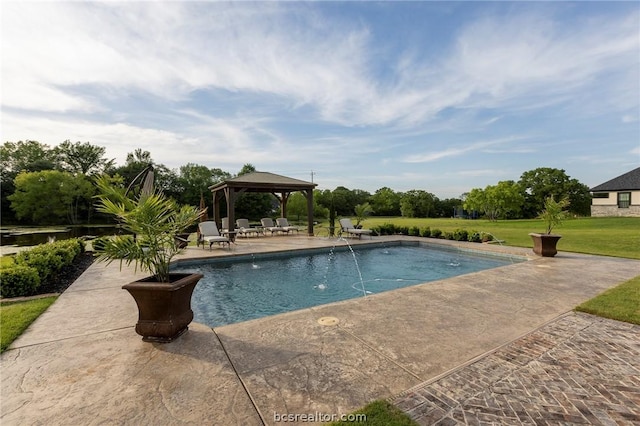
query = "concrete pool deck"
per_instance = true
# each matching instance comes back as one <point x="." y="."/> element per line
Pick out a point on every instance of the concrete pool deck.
<point x="81" y="362"/>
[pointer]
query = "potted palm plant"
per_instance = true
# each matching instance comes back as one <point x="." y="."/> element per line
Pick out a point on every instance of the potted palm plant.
<point x="553" y="215"/>
<point x="362" y="211"/>
<point x="152" y="221"/>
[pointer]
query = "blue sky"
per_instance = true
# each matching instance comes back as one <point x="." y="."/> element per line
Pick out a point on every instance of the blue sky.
<point x="442" y="97"/>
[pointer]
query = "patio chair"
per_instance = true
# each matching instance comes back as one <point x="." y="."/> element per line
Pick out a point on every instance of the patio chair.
<point x="208" y="233"/>
<point x="283" y="223"/>
<point x="347" y="226"/>
<point x="244" y="229"/>
<point x="268" y="225"/>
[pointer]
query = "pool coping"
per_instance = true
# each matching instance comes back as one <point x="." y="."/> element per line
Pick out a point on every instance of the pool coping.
<point x="81" y="361"/>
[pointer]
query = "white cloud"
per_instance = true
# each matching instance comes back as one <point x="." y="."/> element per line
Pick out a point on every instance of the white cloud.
<point x="459" y="150"/>
<point x="294" y="52"/>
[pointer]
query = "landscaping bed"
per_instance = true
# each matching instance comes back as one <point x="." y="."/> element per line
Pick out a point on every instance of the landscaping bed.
<point x="44" y="269"/>
<point x="67" y="275"/>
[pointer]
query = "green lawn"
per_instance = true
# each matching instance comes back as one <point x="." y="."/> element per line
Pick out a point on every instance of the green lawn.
<point x="607" y="236"/>
<point x="621" y="303"/>
<point x="16" y="317"/>
<point x="379" y="413"/>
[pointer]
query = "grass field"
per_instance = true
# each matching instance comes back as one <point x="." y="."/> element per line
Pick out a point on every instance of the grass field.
<point x="607" y="236"/>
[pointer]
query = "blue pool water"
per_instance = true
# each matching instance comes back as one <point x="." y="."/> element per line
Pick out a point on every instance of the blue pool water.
<point x="247" y="288"/>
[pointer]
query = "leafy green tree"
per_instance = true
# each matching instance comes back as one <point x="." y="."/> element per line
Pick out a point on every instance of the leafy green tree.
<point x="344" y="201"/>
<point x="385" y="202"/>
<point x="30" y="156"/>
<point x="360" y="196"/>
<point x="446" y="207"/>
<point x="417" y="203"/>
<point x="82" y="158"/>
<point x="500" y="201"/>
<point x="539" y="184"/>
<point x="51" y="197"/>
<point x="297" y="207"/>
<point x="194" y="181"/>
<point x="135" y="164"/>
<point x="579" y="198"/>
<point x="136" y="167"/>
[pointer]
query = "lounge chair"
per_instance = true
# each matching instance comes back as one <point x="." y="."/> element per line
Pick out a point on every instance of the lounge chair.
<point x="243" y="228"/>
<point x="283" y="223"/>
<point x="208" y="233"/>
<point x="268" y="225"/>
<point x="347" y="226"/>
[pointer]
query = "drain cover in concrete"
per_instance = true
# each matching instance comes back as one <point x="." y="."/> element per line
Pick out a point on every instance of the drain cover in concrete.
<point x="328" y="321"/>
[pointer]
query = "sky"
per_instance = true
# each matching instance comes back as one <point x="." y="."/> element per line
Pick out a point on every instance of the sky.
<point x="436" y="96"/>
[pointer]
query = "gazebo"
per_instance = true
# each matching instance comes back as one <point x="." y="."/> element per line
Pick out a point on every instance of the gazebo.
<point x="280" y="186"/>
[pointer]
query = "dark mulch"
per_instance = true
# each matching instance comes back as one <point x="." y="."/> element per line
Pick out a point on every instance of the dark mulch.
<point x="67" y="275"/>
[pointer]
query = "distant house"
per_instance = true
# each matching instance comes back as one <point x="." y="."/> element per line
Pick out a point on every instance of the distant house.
<point x="618" y="197"/>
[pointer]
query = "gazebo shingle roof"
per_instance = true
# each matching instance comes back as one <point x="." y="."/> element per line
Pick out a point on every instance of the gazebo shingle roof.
<point x="629" y="181"/>
<point x="263" y="180"/>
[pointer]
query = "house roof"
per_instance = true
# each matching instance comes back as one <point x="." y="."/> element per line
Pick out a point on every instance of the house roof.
<point x="263" y="182"/>
<point x="629" y="181"/>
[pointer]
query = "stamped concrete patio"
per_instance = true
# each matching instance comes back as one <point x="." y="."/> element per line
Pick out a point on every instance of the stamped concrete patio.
<point x="82" y="363"/>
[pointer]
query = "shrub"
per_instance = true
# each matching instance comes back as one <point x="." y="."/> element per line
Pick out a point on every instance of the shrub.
<point x="425" y="232"/>
<point x="460" y="235"/>
<point x="45" y="262"/>
<point x="414" y="231"/>
<point x="448" y="235"/>
<point x="436" y="233"/>
<point x="402" y="230"/>
<point x="486" y="237"/>
<point x="386" y="229"/>
<point x="474" y="237"/>
<point x="50" y="258"/>
<point x="17" y="281"/>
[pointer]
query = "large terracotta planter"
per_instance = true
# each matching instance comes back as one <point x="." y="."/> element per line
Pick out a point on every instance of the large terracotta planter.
<point x="164" y="309"/>
<point x="545" y="244"/>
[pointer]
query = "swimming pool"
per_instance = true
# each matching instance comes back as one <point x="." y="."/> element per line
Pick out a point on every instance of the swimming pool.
<point x="248" y="287"/>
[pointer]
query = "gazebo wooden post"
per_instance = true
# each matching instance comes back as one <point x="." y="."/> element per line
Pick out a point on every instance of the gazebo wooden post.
<point x="283" y="204"/>
<point x="230" y="194"/>
<point x="309" y="196"/>
<point x="216" y="207"/>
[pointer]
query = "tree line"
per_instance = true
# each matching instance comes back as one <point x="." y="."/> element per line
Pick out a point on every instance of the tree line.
<point x="41" y="185"/>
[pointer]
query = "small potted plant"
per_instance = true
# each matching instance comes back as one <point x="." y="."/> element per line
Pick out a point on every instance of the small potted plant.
<point x="553" y="215"/>
<point x="362" y="211"/>
<point x="153" y="221"/>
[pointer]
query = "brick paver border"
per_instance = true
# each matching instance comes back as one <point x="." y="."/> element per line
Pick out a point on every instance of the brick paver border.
<point x="578" y="369"/>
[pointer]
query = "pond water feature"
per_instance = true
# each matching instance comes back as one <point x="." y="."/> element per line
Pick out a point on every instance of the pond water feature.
<point x="248" y="287"/>
<point x="31" y="236"/>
